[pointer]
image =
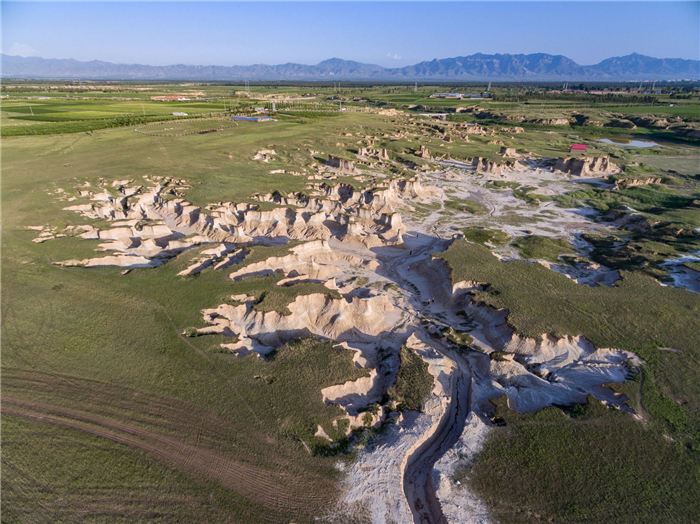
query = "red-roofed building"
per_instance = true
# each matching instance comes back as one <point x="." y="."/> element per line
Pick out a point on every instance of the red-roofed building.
<point x="577" y="148"/>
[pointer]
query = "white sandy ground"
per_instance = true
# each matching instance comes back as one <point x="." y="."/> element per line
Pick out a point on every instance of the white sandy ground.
<point x="683" y="276"/>
<point x="147" y="227"/>
<point x="354" y="235"/>
<point x="458" y="504"/>
<point x="459" y="180"/>
<point x="575" y="367"/>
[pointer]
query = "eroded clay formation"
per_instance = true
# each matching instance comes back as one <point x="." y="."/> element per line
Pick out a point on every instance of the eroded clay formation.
<point x="149" y="225"/>
<point x="405" y="298"/>
<point x="586" y="165"/>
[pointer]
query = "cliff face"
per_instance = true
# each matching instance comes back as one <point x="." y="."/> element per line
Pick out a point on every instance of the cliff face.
<point x="370" y="152"/>
<point x="550" y="121"/>
<point x="344" y="166"/>
<point x="632" y="182"/>
<point x="486" y="166"/>
<point x="586" y="165"/>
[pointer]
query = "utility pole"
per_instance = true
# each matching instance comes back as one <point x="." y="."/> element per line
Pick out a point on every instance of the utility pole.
<point x="415" y="89"/>
<point x="489" y="88"/>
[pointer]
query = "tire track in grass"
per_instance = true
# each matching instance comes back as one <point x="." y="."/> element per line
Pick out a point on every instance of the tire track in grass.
<point x="255" y="484"/>
<point x="189" y="428"/>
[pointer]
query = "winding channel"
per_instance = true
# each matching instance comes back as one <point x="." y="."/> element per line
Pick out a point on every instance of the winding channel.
<point x="418" y="470"/>
<point x="418" y="478"/>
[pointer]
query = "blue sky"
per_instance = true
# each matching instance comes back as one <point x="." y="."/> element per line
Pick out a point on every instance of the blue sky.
<point x="391" y="34"/>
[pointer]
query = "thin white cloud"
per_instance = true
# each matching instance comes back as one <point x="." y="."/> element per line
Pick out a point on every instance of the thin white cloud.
<point x="17" y="49"/>
<point x="394" y="56"/>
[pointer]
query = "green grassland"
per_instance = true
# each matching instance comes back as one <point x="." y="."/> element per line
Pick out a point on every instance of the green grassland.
<point x="636" y="314"/>
<point x="63" y="322"/>
<point x="484" y="236"/>
<point x="539" y="247"/>
<point x="220" y="165"/>
<point x="90" y="352"/>
<point x="65" y="466"/>
<point x="413" y="381"/>
<point x="687" y="165"/>
<point x="667" y="216"/>
<point x="591" y="465"/>
<point x="622" y="456"/>
<point x="96" y="331"/>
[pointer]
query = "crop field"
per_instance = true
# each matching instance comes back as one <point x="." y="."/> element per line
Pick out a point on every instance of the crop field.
<point x="187" y="127"/>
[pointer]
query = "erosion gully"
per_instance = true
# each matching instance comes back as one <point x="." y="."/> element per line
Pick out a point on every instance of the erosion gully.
<point x="418" y="473"/>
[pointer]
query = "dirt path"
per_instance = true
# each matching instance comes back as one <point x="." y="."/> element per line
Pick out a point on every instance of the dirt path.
<point x="200" y="444"/>
<point x="264" y="486"/>
<point x="417" y="476"/>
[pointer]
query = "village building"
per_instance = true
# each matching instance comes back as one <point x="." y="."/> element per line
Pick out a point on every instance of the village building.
<point x="170" y="98"/>
<point x="446" y="95"/>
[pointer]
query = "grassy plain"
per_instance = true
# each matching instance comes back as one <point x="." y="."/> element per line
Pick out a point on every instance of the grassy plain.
<point x="539" y="247"/>
<point x="602" y="465"/>
<point x="636" y="314"/>
<point x="630" y="472"/>
<point x="110" y="414"/>
<point x="97" y="354"/>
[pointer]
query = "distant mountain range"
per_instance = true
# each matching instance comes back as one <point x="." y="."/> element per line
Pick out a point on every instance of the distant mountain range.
<point x="503" y="67"/>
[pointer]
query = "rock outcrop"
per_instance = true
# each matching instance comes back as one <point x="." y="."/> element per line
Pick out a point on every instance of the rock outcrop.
<point x="486" y="166"/>
<point x="624" y="183"/>
<point x="586" y="165"/>
<point x="474" y="129"/>
<point x="652" y="122"/>
<point x="147" y="227"/>
<point x="370" y="152"/>
<point x="423" y="153"/>
<point x="351" y="319"/>
<point x="265" y="155"/>
<point x="621" y="122"/>
<point x="344" y="166"/>
<point x="550" y="121"/>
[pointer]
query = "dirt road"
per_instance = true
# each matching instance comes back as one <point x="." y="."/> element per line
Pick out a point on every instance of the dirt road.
<point x="417" y="476"/>
<point x="193" y="441"/>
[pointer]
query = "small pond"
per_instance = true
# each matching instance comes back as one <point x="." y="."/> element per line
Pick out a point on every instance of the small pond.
<point x="629" y="143"/>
